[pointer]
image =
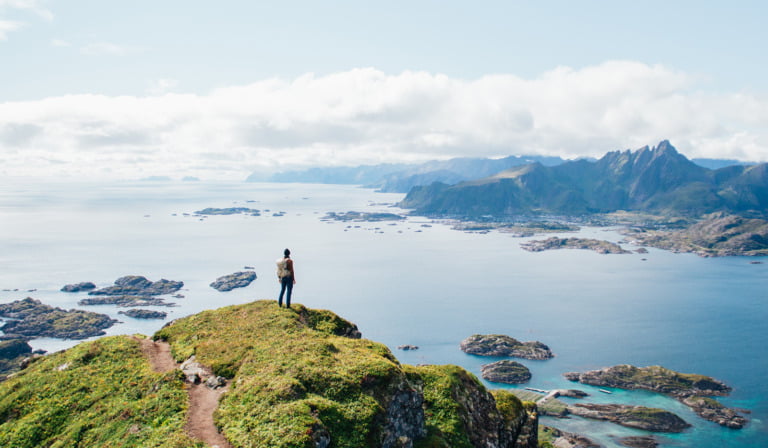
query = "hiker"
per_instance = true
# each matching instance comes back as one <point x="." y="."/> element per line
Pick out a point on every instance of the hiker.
<point x="286" y="276"/>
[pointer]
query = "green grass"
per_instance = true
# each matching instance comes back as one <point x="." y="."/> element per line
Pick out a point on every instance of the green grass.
<point x="293" y="377"/>
<point x="96" y="394"/>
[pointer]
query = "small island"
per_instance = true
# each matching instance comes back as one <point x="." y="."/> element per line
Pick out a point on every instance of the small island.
<point x="503" y="345"/>
<point x="125" y="301"/>
<point x="361" y="217"/>
<point x="640" y="417"/>
<point x="144" y="314"/>
<point x="718" y="235"/>
<point x="78" y="287"/>
<point x="599" y="246"/>
<point x="228" y="211"/>
<point x="508" y="372"/>
<point x="33" y="319"/>
<point x="690" y="389"/>
<point x="137" y="285"/>
<point x="232" y="281"/>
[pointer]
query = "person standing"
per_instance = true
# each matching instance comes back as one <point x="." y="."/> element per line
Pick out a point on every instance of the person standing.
<point x="286" y="276"/>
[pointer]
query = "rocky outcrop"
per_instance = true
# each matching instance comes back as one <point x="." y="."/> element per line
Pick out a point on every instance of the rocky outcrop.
<point x="714" y="411"/>
<point x="563" y="439"/>
<point x="648" y="419"/>
<point x="718" y="235"/>
<point x="690" y="389"/>
<point x="137" y="285"/>
<point x="599" y="246"/>
<point x="503" y="345"/>
<point x="508" y="372"/>
<point x="77" y="287"/>
<point x="12" y="354"/>
<point x="33" y="319"/>
<point x="232" y="281"/>
<point x="653" y="378"/>
<point x="144" y="314"/>
<point x="125" y="301"/>
<point x="638" y="441"/>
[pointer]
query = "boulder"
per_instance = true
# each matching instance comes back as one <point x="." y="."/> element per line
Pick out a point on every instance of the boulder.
<point x="508" y="372"/>
<point x="232" y="281"/>
<point x="77" y="287"/>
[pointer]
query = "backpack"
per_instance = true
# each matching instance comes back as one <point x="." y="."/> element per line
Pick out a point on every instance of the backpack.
<point x="282" y="268"/>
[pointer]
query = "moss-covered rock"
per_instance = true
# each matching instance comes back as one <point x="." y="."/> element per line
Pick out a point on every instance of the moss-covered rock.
<point x="503" y="345"/>
<point x="301" y="377"/>
<point x="505" y="371"/>
<point x="640" y="417"/>
<point x="690" y="389"/>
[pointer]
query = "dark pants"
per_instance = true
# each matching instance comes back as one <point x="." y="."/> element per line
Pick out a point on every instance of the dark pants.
<point x="285" y="283"/>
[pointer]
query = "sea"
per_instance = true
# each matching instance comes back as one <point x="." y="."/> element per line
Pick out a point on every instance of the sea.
<point x="415" y="281"/>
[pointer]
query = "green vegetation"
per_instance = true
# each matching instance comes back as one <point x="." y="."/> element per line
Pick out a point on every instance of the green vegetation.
<point x="298" y="378"/>
<point x="100" y="393"/>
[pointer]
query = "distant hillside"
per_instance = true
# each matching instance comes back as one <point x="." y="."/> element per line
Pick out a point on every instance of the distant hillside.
<point x="400" y="178"/>
<point x="295" y="377"/>
<point x="658" y="180"/>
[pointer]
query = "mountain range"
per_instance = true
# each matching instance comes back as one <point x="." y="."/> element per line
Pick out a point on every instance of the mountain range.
<point x="654" y="180"/>
<point x="400" y="178"/>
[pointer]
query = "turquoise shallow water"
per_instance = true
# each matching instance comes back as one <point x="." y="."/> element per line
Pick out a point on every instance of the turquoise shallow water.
<point x="407" y="284"/>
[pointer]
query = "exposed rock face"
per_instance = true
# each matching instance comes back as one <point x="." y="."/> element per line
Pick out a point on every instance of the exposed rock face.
<point x="232" y="281"/>
<point x="502" y="345"/>
<point x="144" y="314"/>
<point x="137" y="285"/>
<point x="405" y="421"/>
<point x="688" y="388"/>
<point x="649" y="419"/>
<point x="77" y="287"/>
<point x="599" y="246"/>
<point x="509" y="372"/>
<point x="36" y="319"/>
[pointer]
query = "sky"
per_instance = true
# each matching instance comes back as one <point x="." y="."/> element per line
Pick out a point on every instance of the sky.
<point x="218" y="90"/>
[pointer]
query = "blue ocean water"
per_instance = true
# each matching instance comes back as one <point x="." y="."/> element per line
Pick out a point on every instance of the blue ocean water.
<point x="413" y="282"/>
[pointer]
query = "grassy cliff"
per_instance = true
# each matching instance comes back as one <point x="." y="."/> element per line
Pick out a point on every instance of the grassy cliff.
<point x="298" y="378"/>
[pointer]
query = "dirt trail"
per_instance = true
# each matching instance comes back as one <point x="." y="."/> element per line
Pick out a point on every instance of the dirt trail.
<point x="159" y="355"/>
<point x="203" y="401"/>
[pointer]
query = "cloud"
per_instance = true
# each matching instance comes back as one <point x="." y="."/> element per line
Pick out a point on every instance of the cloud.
<point x="108" y="48"/>
<point x="60" y="43"/>
<point x="162" y="86"/>
<point x="30" y="5"/>
<point x="366" y="116"/>
<point x="7" y="26"/>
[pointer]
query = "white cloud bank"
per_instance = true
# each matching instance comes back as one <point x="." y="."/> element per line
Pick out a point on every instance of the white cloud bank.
<point x="366" y="116"/>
